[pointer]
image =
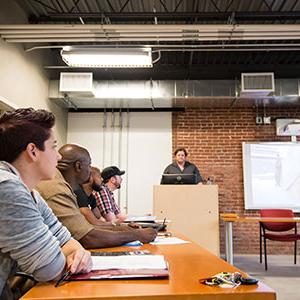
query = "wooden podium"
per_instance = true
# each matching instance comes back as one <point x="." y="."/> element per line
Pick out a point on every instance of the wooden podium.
<point x="193" y="211"/>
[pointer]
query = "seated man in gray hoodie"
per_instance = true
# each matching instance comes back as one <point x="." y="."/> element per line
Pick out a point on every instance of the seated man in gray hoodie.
<point x="73" y="170"/>
<point x="31" y="238"/>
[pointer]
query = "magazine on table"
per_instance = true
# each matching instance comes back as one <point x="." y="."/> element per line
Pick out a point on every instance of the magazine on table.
<point x="125" y="266"/>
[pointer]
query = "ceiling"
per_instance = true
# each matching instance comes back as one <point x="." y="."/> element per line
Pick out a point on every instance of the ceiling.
<point x="203" y="42"/>
<point x="191" y="39"/>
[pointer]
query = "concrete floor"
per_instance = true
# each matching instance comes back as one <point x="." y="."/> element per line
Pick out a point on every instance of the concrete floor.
<point x="282" y="275"/>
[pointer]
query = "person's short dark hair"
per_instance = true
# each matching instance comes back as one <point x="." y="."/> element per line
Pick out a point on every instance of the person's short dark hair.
<point x="22" y="126"/>
<point x="181" y="149"/>
<point x="110" y="172"/>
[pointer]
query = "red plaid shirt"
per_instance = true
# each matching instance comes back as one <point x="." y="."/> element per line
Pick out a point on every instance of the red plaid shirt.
<point x="105" y="201"/>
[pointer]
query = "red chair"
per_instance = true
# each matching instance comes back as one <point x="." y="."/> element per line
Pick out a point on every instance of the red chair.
<point x="277" y="227"/>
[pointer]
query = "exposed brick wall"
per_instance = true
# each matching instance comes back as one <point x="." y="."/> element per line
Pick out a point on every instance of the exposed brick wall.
<point x="213" y="138"/>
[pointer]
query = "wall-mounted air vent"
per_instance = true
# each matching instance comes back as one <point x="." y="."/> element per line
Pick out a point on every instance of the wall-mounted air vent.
<point x="261" y="84"/>
<point x="76" y="83"/>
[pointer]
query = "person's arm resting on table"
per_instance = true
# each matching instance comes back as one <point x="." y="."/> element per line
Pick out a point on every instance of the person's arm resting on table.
<point x="78" y="260"/>
<point x="110" y="216"/>
<point x="93" y="236"/>
<point x="87" y="206"/>
<point x="31" y="234"/>
<point x="105" y="204"/>
<point x="97" y="214"/>
<point x="109" y="238"/>
<point x="90" y="216"/>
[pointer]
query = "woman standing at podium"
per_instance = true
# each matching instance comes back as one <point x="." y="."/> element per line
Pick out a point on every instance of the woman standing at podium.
<point x="182" y="166"/>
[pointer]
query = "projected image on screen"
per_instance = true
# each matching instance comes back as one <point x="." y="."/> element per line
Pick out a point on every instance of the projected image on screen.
<point x="272" y="175"/>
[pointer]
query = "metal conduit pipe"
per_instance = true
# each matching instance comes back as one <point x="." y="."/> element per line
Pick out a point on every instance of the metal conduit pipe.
<point x="207" y="16"/>
<point x="162" y="39"/>
<point x="112" y="126"/>
<point x="120" y="137"/>
<point x="205" y="47"/>
<point x="112" y="33"/>
<point x="127" y="126"/>
<point x="120" y="125"/>
<point x="104" y="136"/>
<point x="148" y="27"/>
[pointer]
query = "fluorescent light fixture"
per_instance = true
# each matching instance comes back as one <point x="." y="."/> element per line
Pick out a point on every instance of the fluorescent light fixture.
<point x="107" y="57"/>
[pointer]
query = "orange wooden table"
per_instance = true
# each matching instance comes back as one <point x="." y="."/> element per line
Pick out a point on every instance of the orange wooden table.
<point x="187" y="263"/>
<point x="229" y="219"/>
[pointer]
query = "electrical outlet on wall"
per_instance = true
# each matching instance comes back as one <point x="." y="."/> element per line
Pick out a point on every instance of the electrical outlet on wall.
<point x="259" y="120"/>
<point x="267" y="120"/>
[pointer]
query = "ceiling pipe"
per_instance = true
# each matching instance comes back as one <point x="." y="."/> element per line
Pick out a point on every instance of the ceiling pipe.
<point x="151" y="27"/>
<point x="145" y="33"/>
<point x="201" y="16"/>
<point x="160" y="47"/>
<point x="287" y="32"/>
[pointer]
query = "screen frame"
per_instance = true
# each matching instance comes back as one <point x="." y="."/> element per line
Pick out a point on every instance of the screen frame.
<point x="250" y="188"/>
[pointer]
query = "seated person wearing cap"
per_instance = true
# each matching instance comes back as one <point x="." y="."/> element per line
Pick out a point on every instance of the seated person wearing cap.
<point x="86" y="200"/>
<point x="112" y="180"/>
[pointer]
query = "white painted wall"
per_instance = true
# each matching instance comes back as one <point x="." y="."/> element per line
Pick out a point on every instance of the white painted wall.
<point x="139" y="143"/>
<point x="23" y="81"/>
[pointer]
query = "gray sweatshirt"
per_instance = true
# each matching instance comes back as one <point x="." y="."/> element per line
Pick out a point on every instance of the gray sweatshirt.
<point x="30" y="234"/>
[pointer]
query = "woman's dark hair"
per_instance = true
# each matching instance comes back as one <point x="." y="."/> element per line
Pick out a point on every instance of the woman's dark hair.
<point x="181" y="149"/>
<point x="22" y="126"/>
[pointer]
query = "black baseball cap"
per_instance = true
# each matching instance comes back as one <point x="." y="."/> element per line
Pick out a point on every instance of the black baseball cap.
<point x="109" y="172"/>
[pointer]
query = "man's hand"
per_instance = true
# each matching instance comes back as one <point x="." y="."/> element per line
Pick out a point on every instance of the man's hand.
<point x="134" y="225"/>
<point x="121" y="218"/>
<point x="79" y="261"/>
<point x="146" y="235"/>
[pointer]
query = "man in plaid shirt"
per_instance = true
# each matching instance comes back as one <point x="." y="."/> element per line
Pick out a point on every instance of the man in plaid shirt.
<point x="105" y="197"/>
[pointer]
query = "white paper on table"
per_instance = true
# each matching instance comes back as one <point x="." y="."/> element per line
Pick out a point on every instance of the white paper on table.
<point x="129" y="262"/>
<point x="168" y="241"/>
<point x="140" y="218"/>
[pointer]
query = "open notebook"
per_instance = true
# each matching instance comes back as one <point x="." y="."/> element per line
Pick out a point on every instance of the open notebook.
<point x="126" y="266"/>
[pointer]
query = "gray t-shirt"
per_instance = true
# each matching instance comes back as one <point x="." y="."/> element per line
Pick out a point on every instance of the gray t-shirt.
<point x="30" y="234"/>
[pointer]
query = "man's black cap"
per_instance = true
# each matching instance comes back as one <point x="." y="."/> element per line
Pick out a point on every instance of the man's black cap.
<point x="109" y="172"/>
